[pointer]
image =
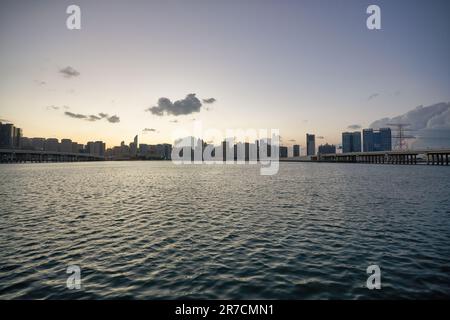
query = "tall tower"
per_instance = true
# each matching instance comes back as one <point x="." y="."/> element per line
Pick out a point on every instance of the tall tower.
<point x="310" y="144"/>
<point x="401" y="136"/>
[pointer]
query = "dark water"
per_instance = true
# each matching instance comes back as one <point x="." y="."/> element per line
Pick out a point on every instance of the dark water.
<point x="146" y="230"/>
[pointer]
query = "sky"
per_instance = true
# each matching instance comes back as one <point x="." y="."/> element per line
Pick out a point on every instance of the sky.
<point x="297" y="66"/>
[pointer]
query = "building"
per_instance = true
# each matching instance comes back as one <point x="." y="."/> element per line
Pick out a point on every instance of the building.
<point x="134" y="147"/>
<point x="65" y="145"/>
<point x="38" y="144"/>
<point x="51" y="144"/>
<point x="377" y="140"/>
<point x="144" y="150"/>
<point x="310" y="144"/>
<point x="99" y="148"/>
<point x="351" y="142"/>
<point x="327" y="149"/>
<point x="164" y="151"/>
<point x="384" y="139"/>
<point x="77" y="147"/>
<point x="368" y="136"/>
<point x="25" y="143"/>
<point x="6" y="136"/>
<point x="96" y="148"/>
<point x="17" y="138"/>
<point x="296" y="150"/>
<point x="283" y="152"/>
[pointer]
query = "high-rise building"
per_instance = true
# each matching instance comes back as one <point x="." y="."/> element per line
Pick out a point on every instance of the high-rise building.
<point x="26" y="143"/>
<point x="327" y="149"/>
<point x="99" y="148"/>
<point x="17" y="142"/>
<point x="38" y="143"/>
<point x="134" y="147"/>
<point x="296" y="150"/>
<point x="385" y="139"/>
<point x="65" y="145"/>
<point x="368" y="140"/>
<point x="283" y="152"/>
<point x="6" y="136"/>
<point x="351" y="142"/>
<point x="310" y="144"/>
<point x="51" y="144"/>
<point x="77" y="147"/>
<point x="380" y="140"/>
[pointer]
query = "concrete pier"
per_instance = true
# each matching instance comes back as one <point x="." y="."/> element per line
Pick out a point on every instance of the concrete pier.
<point x="34" y="156"/>
<point x="407" y="157"/>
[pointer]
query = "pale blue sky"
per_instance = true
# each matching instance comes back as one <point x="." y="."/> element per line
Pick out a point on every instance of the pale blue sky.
<point x="299" y="66"/>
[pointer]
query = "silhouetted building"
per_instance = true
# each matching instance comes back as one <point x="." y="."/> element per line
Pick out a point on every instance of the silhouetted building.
<point x="17" y="142"/>
<point x="6" y="136"/>
<point x="310" y="144"/>
<point x="38" y="143"/>
<point x="51" y="144"/>
<point x="327" y="149"/>
<point x="351" y="142"/>
<point x="377" y="140"/>
<point x="383" y="140"/>
<point x="25" y="143"/>
<point x="134" y="147"/>
<point x="77" y="147"/>
<point x="368" y="140"/>
<point x="296" y="150"/>
<point x="65" y="145"/>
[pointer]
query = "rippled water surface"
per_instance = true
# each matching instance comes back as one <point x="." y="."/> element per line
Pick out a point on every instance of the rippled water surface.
<point x="147" y="230"/>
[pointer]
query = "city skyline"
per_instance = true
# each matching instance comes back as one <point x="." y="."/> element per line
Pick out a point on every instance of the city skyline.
<point x="266" y="72"/>
<point x="11" y="137"/>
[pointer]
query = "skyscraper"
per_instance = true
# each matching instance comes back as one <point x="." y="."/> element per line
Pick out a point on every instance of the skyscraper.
<point x="296" y="150"/>
<point x="327" y="149"/>
<point x="134" y="147"/>
<point x="351" y="142"/>
<point x="368" y="140"/>
<point x="51" y="144"/>
<point x="65" y="145"/>
<point x="385" y="139"/>
<point x="17" y="143"/>
<point x="6" y="136"/>
<point x="310" y="144"/>
<point x="380" y="140"/>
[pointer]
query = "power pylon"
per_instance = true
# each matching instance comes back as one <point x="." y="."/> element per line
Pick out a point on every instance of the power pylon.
<point x="400" y="134"/>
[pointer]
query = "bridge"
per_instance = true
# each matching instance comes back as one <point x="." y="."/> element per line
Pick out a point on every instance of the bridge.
<point x="433" y="157"/>
<point x="21" y="156"/>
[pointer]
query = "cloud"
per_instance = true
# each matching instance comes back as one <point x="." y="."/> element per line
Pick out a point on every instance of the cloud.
<point x="4" y="120"/>
<point x="209" y="100"/>
<point x="40" y="82"/>
<point x="93" y="117"/>
<point x="69" y="72"/>
<point x="53" y="107"/>
<point x="113" y="119"/>
<point x="146" y="130"/>
<point x="354" y="126"/>
<point x="188" y="105"/>
<point x="75" y="115"/>
<point x="430" y="125"/>
<point x="373" y="96"/>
